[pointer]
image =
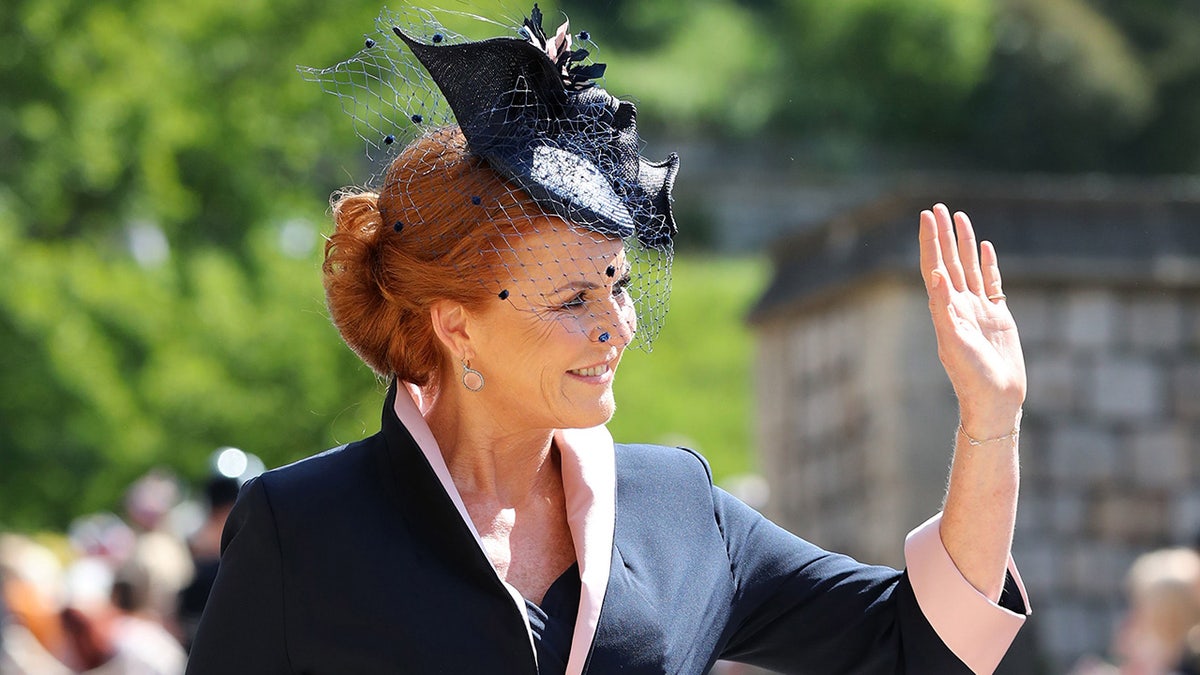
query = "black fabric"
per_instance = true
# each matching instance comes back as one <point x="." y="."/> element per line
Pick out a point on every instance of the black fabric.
<point x="194" y="596"/>
<point x="1190" y="663"/>
<point x="356" y="561"/>
<point x="553" y="622"/>
<point x="575" y="152"/>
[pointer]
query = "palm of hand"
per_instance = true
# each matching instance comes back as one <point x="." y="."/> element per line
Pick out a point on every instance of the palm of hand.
<point x="977" y="337"/>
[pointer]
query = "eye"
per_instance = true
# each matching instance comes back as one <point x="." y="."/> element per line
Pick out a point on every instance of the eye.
<point x="579" y="300"/>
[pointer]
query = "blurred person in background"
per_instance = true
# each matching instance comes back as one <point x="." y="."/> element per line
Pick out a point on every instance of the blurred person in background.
<point x="102" y="535"/>
<point x="106" y="632"/>
<point x="33" y="639"/>
<point x="229" y="468"/>
<point x="158" y="553"/>
<point x="1160" y="632"/>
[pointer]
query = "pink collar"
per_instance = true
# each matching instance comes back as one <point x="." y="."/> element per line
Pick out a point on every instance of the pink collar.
<point x="590" y="485"/>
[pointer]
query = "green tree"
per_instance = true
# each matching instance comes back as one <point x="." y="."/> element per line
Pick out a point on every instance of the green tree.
<point x="164" y="173"/>
<point x="111" y="368"/>
<point x="1065" y="89"/>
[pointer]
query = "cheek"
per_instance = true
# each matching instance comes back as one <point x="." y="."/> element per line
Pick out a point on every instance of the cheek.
<point x="543" y="329"/>
<point x="548" y="341"/>
<point x="554" y="335"/>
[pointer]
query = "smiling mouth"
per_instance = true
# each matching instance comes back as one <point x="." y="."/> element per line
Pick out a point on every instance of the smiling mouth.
<point x="594" y="371"/>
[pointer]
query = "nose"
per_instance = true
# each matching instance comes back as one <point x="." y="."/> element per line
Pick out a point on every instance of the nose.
<point x="615" y="325"/>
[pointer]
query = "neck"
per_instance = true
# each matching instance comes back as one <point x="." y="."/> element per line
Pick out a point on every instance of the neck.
<point x="485" y="453"/>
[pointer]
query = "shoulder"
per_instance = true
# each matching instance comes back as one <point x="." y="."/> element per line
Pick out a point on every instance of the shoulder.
<point x="662" y="461"/>
<point x="666" y="510"/>
<point x="655" y="476"/>
<point x="324" y="479"/>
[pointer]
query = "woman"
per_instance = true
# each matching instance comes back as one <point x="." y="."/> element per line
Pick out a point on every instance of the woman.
<point x="492" y="525"/>
<point x="1161" y="629"/>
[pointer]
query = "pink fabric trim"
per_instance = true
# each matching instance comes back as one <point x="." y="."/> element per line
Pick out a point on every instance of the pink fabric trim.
<point x="409" y="412"/>
<point x="589" y="471"/>
<point x="976" y="629"/>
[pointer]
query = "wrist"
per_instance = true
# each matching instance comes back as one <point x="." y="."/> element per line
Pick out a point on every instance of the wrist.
<point x="980" y="430"/>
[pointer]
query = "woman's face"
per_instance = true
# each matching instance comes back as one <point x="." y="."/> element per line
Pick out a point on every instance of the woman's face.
<point x="1147" y="643"/>
<point x="549" y="348"/>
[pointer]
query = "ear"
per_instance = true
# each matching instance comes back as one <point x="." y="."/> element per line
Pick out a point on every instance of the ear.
<point x="452" y="325"/>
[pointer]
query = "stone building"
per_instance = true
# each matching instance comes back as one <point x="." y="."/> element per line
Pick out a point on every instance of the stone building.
<point x="856" y="416"/>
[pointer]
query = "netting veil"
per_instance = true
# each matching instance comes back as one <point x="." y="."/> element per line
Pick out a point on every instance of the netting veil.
<point x="528" y="105"/>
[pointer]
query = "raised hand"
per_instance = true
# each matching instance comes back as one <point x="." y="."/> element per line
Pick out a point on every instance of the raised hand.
<point x="976" y="335"/>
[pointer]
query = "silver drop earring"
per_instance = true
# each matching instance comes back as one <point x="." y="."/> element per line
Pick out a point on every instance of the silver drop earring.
<point x="472" y="379"/>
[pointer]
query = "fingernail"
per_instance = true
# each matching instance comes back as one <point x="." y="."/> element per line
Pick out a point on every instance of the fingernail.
<point x="935" y="279"/>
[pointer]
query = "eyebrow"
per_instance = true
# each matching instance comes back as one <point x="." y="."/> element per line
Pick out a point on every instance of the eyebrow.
<point x="576" y="285"/>
<point x="586" y="285"/>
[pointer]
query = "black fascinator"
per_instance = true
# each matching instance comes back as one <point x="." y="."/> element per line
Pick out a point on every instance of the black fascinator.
<point x="537" y="118"/>
<point x="529" y="105"/>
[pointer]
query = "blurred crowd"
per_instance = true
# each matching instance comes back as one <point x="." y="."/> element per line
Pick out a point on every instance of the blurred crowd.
<point x="119" y="595"/>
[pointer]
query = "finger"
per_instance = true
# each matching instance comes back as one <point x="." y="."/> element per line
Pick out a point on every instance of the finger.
<point x="968" y="252"/>
<point x="931" y="254"/>
<point x="946" y="242"/>
<point x="933" y="270"/>
<point x="992" y="286"/>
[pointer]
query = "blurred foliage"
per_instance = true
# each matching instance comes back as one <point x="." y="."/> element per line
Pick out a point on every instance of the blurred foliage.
<point x="1048" y="85"/>
<point x="695" y="388"/>
<point x="164" y="173"/>
<point x="1067" y="90"/>
<point x="111" y="368"/>
<point x="801" y="67"/>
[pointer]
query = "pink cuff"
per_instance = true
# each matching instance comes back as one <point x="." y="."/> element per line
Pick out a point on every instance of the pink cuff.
<point x="976" y="629"/>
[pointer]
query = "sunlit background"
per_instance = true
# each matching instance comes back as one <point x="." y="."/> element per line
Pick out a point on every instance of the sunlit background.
<point x="164" y="184"/>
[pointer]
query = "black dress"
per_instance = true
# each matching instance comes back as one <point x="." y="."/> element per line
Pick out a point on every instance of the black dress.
<point x="553" y="621"/>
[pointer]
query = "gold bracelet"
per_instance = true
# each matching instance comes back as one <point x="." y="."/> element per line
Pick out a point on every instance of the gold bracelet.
<point x="1016" y="431"/>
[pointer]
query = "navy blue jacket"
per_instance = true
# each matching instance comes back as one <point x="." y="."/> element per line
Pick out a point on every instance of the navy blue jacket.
<point x="355" y="561"/>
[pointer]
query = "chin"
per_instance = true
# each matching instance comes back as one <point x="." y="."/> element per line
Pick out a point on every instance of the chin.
<point x="608" y="406"/>
<point x="593" y="415"/>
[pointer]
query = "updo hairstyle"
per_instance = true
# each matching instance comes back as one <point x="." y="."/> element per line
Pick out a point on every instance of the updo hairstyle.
<point x="433" y="233"/>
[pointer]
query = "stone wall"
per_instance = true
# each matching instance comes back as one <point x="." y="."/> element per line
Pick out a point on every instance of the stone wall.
<point x="1111" y="446"/>
<point x="856" y="420"/>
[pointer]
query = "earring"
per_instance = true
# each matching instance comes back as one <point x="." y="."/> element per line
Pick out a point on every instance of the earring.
<point x="472" y="379"/>
<point x="604" y="337"/>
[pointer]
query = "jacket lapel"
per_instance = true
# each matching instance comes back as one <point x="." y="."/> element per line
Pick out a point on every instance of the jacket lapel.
<point x="589" y="486"/>
<point x="589" y="482"/>
<point x="425" y="506"/>
<point x="402" y="413"/>
<point x="433" y="509"/>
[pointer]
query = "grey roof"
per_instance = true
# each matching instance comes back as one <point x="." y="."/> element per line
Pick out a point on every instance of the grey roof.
<point x="1096" y="230"/>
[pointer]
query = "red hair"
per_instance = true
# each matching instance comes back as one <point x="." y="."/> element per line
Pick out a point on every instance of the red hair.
<point x="433" y="233"/>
